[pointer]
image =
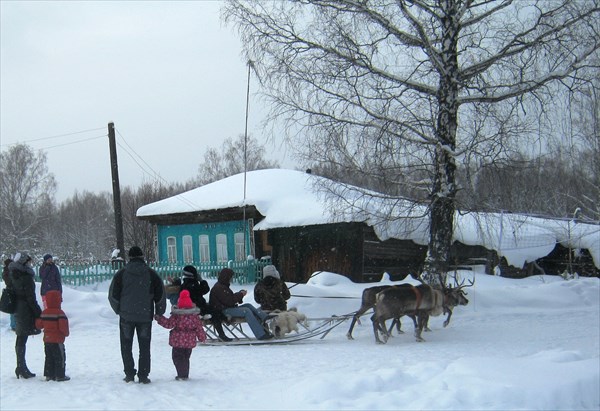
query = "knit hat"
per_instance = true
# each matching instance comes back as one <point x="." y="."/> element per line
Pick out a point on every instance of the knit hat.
<point x="189" y="271"/>
<point x="23" y="258"/>
<point x="47" y="257"/>
<point x="135" y="251"/>
<point x="270" y="271"/>
<point x="184" y="300"/>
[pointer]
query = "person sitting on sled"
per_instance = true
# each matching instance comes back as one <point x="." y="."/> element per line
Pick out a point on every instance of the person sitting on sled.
<point x="223" y="299"/>
<point x="270" y="292"/>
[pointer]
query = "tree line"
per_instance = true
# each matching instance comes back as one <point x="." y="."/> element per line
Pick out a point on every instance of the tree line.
<point x="459" y="104"/>
<point x="82" y="228"/>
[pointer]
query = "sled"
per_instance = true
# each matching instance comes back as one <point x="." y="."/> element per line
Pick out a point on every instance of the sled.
<point x="317" y="327"/>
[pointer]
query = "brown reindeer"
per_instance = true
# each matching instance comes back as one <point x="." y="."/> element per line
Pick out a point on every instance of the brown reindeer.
<point x="421" y="301"/>
<point x="368" y="302"/>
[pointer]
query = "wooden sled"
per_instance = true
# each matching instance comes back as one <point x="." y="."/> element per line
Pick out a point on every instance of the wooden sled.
<point x="318" y="327"/>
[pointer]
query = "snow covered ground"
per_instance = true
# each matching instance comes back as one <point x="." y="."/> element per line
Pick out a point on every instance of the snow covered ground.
<point x="519" y="344"/>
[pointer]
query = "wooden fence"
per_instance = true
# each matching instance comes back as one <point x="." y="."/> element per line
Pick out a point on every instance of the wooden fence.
<point x="87" y="273"/>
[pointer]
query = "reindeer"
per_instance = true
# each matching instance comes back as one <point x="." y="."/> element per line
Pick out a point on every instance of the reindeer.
<point x="454" y="296"/>
<point x="421" y="301"/>
<point x="368" y="302"/>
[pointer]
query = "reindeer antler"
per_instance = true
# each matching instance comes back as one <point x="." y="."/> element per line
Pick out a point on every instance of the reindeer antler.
<point x="461" y="285"/>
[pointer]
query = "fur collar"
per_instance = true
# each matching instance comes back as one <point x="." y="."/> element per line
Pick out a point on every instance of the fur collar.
<point x="183" y="311"/>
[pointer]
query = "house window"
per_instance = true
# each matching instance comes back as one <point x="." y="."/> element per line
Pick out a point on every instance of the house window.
<point x="222" y="247"/>
<point x="171" y="250"/>
<point x="240" y="249"/>
<point x="204" y="248"/>
<point x="188" y="253"/>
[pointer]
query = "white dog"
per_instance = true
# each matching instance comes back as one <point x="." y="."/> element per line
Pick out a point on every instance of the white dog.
<point x="287" y="321"/>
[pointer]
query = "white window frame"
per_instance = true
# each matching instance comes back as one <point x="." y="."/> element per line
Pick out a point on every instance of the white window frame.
<point x="188" y="250"/>
<point x="204" y="248"/>
<point x="240" y="246"/>
<point x="222" y="248"/>
<point x="171" y="249"/>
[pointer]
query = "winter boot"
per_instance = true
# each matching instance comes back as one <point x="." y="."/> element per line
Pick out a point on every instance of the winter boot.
<point x="219" y="328"/>
<point x="21" y="370"/>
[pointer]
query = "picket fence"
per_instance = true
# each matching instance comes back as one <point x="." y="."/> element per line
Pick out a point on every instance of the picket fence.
<point x="89" y="273"/>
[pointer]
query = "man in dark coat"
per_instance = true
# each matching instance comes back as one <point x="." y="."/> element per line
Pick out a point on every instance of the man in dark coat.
<point x="222" y="298"/>
<point x="270" y="292"/>
<point x="21" y="277"/>
<point x="136" y="294"/>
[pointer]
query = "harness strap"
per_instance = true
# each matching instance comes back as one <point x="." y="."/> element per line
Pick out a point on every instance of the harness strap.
<point x="419" y="297"/>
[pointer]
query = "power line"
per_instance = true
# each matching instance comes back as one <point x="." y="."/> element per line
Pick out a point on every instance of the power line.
<point x="54" y="136"/>
<point x="156" y="176"/>
<point x="73" y="142"/>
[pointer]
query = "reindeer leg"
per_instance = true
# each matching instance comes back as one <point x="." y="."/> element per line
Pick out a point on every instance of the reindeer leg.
<point x="426" y="324"/>
<point x="396" y="322"/>
<point x="422" y="320"/>
<point x="376" y="326"/>
<point x="384" y="331"/>
<point x="356" y="318"/>
<point x="449" y="312"/>
<point x="414" y="317"/>
<point x="349" y="333"/>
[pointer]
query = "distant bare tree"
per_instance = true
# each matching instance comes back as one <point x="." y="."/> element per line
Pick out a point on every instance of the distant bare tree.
<point x="398" y="81"/>
<point x="84" y="227"/>
<point x="139" y="232"/>
<point x="230" y="160"/>
<point x="26" y="188"/>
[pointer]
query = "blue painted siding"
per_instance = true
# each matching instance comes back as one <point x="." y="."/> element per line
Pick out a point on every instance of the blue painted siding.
<point x="229" y="228"/>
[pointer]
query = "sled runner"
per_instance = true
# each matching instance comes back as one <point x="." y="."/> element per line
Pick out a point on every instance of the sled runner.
<point x="317" y="327"/>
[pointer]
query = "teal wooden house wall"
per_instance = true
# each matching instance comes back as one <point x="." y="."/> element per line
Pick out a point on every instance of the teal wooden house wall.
<point x="211" y="229"/>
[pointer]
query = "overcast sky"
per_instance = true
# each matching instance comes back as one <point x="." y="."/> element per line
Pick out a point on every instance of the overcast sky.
<point x="170" y="76"/>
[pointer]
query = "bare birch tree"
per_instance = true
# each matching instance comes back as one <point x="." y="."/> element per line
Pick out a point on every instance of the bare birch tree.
<point x="26" y="188"/>
<point x="400" y="81"/>
<point x="230" y="160"/>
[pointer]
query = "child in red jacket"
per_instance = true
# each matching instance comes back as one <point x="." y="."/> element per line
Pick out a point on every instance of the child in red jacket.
<point x="55" y="324"/>
<point x="187" y="329"/>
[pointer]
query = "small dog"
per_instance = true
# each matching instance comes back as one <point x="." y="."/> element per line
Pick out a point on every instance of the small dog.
<point x="287" y="321"/>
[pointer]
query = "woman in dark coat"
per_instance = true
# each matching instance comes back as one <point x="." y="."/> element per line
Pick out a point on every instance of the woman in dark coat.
<point x="28" y="309"/>
<point x="270" y="292"/>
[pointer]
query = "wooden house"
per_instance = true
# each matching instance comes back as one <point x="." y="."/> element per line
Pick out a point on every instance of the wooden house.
<point x="280" y="214"/>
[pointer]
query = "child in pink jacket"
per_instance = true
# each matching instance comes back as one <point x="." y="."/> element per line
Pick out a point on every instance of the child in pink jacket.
<point x="187" y="329"/>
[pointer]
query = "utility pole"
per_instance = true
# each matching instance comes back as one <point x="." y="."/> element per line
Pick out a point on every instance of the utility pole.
<point x="114" y="168"/>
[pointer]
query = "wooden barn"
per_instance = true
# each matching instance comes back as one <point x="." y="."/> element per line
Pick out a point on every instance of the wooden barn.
<point x="279" y="214"/>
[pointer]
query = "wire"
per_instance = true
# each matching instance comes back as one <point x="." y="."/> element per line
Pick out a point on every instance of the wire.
<point x="155" y="175"/>
<point x="54" y="136"/>
<point x="73" y="142"/>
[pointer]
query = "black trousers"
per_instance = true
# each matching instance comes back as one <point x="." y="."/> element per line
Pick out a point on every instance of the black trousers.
<point x="144" y="333"/>
<point x="181" y="359"/>
<point x="56" y="360"/>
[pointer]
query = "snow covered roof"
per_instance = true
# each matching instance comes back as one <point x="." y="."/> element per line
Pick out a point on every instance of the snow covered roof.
<point x="288" y="198"/>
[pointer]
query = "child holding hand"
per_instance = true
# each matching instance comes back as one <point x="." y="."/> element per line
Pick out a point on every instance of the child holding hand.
<point x="186" y="329"/>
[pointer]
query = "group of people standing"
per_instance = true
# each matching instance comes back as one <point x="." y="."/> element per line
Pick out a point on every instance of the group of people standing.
<point x="137" y="295"/>
<point x="29" y="318"/>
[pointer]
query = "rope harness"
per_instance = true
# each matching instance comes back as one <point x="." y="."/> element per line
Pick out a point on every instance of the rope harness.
<point x="419" y="297"/>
